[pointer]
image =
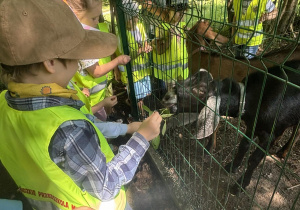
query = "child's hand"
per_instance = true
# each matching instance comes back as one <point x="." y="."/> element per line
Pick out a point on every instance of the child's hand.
<point x="147" y="48"/>
<point x="110" y="101"/>
<point x="150" y="128"/>
<point x="133" y="127"/>
<point x="123" y="59"/>
<point x="86" y="92"/>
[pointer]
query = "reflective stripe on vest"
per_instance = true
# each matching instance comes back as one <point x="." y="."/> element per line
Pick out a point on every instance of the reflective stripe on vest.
<point x="165" y="67"/>
<point x="39" y="178"/>
<point x="173" y="64"/>
<point x="139" y="67"/>
<point x="247" y="23"/>
<point x="248" y="33"/>
<point x="89" y="82"/>
<point x="98" y="87"/>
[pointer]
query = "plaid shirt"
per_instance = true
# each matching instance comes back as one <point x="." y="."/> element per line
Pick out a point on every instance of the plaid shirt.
<point x="75" y="149"/>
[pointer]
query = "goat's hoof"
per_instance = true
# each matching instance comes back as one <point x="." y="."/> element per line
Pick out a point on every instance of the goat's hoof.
<point x="229" y="169"/>
<point x="235" y="190"/>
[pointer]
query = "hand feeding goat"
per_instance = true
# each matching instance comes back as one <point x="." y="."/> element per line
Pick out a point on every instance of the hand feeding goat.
<point x="267" y="104"/>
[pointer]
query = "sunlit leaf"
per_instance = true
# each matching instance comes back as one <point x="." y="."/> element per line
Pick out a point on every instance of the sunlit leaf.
<point x="166" y="115"/>
<point x="164" y="111"/>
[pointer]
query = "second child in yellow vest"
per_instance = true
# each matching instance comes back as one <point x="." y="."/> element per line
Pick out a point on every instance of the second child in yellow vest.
<point x="140" y="66"/>
<point x="170" y="58"/>
<point x="92" y="73"/>
<point x="248" y="17"/>
<point x="109" y="130"/>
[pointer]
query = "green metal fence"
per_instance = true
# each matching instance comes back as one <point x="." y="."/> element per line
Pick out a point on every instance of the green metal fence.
<point x="205" y="37"/>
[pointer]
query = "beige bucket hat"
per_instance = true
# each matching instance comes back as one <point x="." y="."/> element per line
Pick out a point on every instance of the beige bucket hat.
<point x="33" y="31"/>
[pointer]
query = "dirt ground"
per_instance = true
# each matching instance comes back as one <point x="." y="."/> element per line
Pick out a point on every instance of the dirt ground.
<point x="203" y="183"/>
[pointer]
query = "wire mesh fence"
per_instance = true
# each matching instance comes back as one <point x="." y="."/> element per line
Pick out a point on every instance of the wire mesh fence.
<point x="225" y="76"/>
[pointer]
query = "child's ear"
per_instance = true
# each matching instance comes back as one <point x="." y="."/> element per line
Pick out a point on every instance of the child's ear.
<point x="49" y="65"/>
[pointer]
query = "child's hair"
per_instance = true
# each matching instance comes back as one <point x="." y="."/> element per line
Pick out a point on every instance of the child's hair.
<point x="15" y="73"/>
<point x="81" y="5"/>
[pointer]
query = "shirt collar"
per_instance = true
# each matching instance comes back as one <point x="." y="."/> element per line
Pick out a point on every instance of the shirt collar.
<point x="36" y="103"/>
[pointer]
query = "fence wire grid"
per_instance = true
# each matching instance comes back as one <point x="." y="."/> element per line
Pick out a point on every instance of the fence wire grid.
<point x="247" y="96"/>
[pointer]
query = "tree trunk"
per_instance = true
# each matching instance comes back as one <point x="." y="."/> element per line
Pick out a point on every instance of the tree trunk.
<point x="230" y="14"/>
<point x="286" y="15"/>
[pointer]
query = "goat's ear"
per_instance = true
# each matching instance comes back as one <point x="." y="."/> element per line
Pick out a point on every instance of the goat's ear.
<point x="208" y="118"/>
<point x="205" y="76"/>
<point x="201" y="84"/>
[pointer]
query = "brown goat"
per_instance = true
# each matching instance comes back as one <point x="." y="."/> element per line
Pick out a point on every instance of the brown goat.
<point x="222" y="66"/>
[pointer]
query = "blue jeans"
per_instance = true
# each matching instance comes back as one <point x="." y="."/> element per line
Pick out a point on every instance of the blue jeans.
<point x="247" y="51"/>
<point x="11" y="204"/>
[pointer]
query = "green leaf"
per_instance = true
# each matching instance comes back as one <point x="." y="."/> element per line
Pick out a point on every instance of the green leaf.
<point x="155" y="142"/>
<point x="164" y="111"/>
<point x="147" y="109"/>
<point x="119" y="94"/>
<point x="163" y="131"/>
<point x="166" y="115"/>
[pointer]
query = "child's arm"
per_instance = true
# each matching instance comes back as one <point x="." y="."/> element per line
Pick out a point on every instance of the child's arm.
<point x="107" y="102"/>
<point x="84" y="160"/>
<point x="113" y="129"/>
<point x="97" y="70"/>
<point x="146" y="48"/>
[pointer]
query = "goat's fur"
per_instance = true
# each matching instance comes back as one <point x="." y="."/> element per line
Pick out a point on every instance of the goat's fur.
<point x="275" y="103"/>
<point x="279" y="110"/>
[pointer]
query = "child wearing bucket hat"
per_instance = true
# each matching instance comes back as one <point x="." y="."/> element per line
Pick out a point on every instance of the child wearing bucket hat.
<point x="92" y="73"/>
<point x="56" y="156"/>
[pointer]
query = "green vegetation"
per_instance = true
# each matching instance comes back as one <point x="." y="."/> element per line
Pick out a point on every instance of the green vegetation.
<point x="164" y="113"/>
<point x="106" y="11"/>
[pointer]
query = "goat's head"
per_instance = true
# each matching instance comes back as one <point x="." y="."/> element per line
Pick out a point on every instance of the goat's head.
<point x="185" y="95"/>
<point x="201" y="92"/>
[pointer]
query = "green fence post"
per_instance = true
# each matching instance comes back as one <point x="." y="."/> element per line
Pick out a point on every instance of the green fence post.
<point x="122" y="25"/>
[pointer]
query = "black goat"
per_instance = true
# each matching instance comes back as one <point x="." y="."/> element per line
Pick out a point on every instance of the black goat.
<point x="267" y="103"/>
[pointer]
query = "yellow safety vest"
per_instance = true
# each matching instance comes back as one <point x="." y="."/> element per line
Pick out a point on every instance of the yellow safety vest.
<point x="140" y="65"/>
<point x="25" y="137"/>
<point x="86" y="109"/>
<point x="173" y="64"/>
<point x="97" y="86"/>
<point x="249" y="34"/>
<point x="104" y="27"/>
